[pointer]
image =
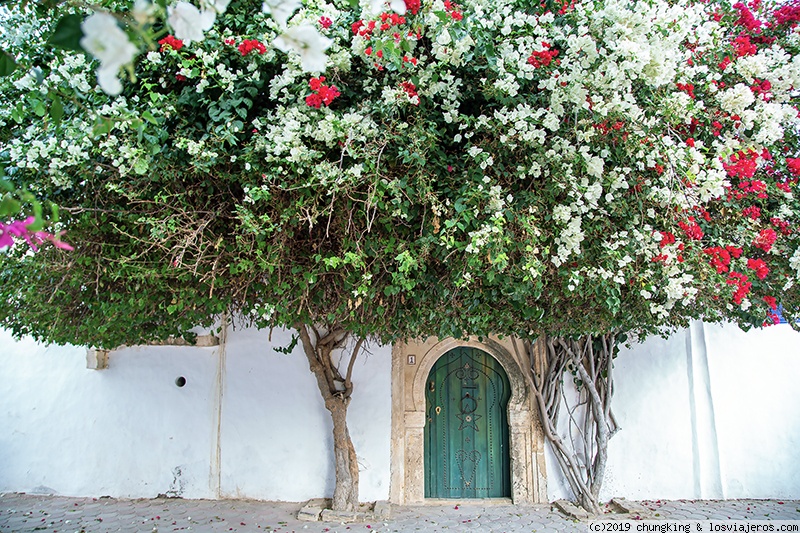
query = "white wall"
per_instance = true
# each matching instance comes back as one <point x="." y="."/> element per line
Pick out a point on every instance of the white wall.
<point x="276" y="433"/>
<point x="249" y="423"/>
<point x="712" y="412"/>
<point x="126" y="431"/>
<point x="757" y="406"/>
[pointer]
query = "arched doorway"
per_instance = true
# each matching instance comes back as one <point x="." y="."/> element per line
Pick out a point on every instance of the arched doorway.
<point x="466" y="428"/>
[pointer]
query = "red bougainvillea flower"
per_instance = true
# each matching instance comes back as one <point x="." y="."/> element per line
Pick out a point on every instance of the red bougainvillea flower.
<point x="759" y="266"/>
<point x="739" y="280"/>
<point x="170" y="42"/>
<point x="735" y="252"/>
<point x="793" y="165"/>
<point x="688" y="88"/>
<point x="781" y="225"/>
<point x="250" y="45"/>
<point x="544" y="57"/>
<point x="744" y="47"/>
<point x="666" y="239"/>
<point x="691" y="229"/>
<point x="742" y="165"/>
<point x="321" y="93"/>
<point x="746" y="18"/>
<point x="412" y="6"/>
<point x="787" y="14"/>
<point x="411" y="90"/>
<point x="720" y="258"/>
<point x="325" y="22"/>
<point x="753" y="212"/>
<point x="766" y="238"/>
<point x="771" y="302"/>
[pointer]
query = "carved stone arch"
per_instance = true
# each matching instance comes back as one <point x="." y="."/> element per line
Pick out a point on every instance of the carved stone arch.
<point x="520" y="394"/>
<point x="411" y="363"/>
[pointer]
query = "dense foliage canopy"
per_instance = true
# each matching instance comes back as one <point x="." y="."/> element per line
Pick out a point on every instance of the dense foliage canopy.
<point x="493" y="166"/>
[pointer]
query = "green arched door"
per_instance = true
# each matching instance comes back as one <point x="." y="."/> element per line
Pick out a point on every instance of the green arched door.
<point x="466" y="430"/>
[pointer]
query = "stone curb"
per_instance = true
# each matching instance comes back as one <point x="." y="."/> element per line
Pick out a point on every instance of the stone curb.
<point x="632" y="508"/>
<point x="317" y="509"/>
<point x="312" y="510"/>
<point x="571" y="510"/>
<point x="624" y="509"/>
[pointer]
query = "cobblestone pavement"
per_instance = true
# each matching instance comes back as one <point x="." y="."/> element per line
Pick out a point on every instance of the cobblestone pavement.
<point x="24" y="513"/>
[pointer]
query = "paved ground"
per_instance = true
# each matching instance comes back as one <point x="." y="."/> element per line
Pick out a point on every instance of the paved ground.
<point x="24" y="513"/>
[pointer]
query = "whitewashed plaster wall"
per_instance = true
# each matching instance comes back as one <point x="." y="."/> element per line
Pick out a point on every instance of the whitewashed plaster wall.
<point x="276" y="434"/>
<point x="249" y="422"/>
<point x="127" y="431"/>
<point x="712" y="412"/>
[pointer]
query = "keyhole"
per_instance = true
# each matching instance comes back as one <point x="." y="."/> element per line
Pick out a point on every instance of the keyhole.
<point x="438" y="409"/>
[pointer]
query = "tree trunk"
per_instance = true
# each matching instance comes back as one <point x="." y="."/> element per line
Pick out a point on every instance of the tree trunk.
<point x="582" y="451"/>
<point x="345" y="495"/>
<point x="336" y="391"/>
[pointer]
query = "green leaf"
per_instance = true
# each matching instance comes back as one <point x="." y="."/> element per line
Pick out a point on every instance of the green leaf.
<point x="17" y="113"/>
<point x="56" y="108"/>
<point x="39" y="109"/>
<point x="101" y="127"/>
<point x="148" y="116"/>
<point x="68" y="33"/>
<point x="9" y="206"/>
<point x="7" y="63"/>
<point x="141" y="166"/>
<point x="38" y="223"/>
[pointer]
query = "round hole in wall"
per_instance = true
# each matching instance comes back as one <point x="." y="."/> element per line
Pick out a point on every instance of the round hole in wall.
<point x="181" y="381"/>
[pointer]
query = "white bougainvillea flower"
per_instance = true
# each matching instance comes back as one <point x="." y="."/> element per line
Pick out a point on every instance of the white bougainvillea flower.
<point x="105" y="40"/>
<point x="378" y="6"/>
<point x="144" y="12"/>
<point x="280" y="10"/>
<point x="594" y="166"/>
<point x="189" y="23"/>
<point x="217" y="5"/>
<point x="307" y="42"/>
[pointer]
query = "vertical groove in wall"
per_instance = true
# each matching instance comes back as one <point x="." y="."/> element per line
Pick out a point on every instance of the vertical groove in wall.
<point x="216" y="459"/>
<point x="696" y="467"/>
<point x="397" y="449"/>
<point x="705" y="448"/>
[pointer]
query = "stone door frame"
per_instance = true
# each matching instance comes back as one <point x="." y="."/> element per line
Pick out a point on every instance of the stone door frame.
<point x="411" y="364"/>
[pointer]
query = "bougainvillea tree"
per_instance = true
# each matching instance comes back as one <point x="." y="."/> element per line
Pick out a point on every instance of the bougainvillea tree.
<point x="562" y="171"/>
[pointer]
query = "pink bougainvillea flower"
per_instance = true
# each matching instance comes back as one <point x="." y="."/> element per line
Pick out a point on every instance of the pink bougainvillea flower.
<point x="19" y="229"/>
